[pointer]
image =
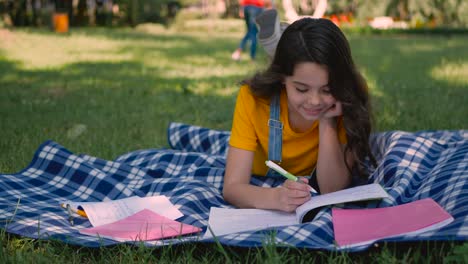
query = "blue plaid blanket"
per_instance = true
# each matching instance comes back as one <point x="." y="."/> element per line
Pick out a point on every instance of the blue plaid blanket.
<point x="411" y="166"/>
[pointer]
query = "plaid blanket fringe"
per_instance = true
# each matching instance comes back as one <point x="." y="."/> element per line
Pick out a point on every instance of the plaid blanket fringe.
<point x="411" y="165"/>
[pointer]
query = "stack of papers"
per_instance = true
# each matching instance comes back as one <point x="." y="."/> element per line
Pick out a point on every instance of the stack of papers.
<point x="134" y="219"/>
<point x="142" y="226"/>
<point x="101" y="213"/>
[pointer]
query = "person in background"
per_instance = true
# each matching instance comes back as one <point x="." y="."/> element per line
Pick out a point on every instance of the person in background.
<point x="270" y="30"/>
<point x="249" y="10"/>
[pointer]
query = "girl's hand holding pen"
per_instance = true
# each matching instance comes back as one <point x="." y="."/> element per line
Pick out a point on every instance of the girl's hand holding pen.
<point x="295" y="190"/>
<point x="288" y="175"/>
<point x="293" y="194"/>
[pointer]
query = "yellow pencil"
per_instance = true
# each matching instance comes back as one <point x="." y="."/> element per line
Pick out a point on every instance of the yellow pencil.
<point x="78" y="212"/>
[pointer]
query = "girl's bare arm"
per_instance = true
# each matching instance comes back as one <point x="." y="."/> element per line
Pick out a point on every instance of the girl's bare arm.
<point x="239" y="192"/>
<point x="332" y="173"/>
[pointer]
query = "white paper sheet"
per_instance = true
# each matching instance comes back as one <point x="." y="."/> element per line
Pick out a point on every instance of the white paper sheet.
<point x="224" y="221"/>
<point x="101" y="213"/>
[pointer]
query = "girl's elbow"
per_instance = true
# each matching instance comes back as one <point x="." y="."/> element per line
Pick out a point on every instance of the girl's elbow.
<point x="232" y="194"/>
<point x="228" y="193"/>
<point x="334" y="187"/>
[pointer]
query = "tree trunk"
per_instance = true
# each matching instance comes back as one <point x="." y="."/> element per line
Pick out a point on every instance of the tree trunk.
<point x="134" y="13"/>
<point x="232" y="8"/>
<point x="81" y="14"/>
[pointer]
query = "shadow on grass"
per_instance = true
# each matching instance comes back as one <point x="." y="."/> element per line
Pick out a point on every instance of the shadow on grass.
<point x="401" y="67"/>
<point x="127" y="104"/>
<point x="123" y="105"/>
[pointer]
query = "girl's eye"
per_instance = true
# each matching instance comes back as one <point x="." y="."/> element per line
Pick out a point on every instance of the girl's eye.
<point x="301" y="90"/>
<point x="326" y="91"/>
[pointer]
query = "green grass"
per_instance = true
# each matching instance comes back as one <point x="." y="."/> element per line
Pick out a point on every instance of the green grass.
<point x="106" y="92"/>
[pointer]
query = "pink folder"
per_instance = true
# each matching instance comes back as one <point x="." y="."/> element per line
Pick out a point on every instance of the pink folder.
<point x="142" y="226"/>
<point x="354" y="227"/>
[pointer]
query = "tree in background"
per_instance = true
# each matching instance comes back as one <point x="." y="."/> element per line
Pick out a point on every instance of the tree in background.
<point x="232" y="8"/>
<point x="80" y="17"/>
<point x="450" y="13"/>
<point x="16" y="12"/>
<point x="441" y="12"/>
<point x="141" y="11"/>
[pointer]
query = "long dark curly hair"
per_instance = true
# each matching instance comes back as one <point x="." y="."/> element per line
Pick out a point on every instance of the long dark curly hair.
<point x="321" y="41"/>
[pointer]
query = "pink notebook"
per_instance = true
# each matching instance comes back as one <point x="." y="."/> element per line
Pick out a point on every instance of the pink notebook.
<point x="355" y="227"/>
<point x="142" y="226"/>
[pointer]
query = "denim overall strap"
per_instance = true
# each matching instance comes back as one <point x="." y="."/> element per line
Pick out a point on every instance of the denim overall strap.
<point x="275" y="134"/>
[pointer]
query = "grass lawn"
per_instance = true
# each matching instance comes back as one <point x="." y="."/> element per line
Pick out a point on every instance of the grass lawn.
<point x="105" y="92"/>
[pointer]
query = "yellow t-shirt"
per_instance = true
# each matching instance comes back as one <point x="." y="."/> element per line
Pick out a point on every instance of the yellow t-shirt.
<point x="250" y="132"/>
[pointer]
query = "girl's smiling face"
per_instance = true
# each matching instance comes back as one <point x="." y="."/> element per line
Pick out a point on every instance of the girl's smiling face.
<point x="308" y="94"/>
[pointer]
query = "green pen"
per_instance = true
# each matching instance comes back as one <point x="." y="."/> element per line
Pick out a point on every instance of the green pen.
<point x="283" y="172"/>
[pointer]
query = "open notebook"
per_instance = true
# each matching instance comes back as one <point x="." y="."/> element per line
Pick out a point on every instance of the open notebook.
<point x="224" y="221"/>
<point x="356" y="227"/>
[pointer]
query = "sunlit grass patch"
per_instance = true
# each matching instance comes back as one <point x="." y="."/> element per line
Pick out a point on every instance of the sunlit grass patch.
<point x="455" y="73"/>
<point x="419" y="47"/>
<point x="374" y="88"/>
<point x="207" y="71"/>
<point x="39" y="51"/>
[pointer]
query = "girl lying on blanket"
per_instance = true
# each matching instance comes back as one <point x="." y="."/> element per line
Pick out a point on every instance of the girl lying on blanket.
<point x="309" y="111"/>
